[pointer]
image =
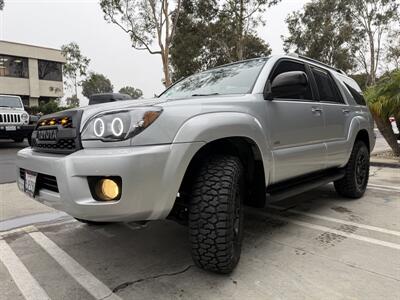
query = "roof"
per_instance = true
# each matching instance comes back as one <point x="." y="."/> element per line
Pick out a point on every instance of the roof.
<point x="31" y="51"/>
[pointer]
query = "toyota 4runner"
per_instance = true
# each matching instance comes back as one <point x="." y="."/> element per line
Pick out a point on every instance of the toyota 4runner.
<point x="246" y="133"/>
<point x="14" y="120"/>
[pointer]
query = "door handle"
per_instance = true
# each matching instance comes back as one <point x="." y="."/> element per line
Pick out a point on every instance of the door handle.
<point x="346" y="111"/>
<point x="316" y="109"/>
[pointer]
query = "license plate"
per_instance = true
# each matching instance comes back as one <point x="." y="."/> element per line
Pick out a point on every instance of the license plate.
<point x="47" y="135"/>
<point x="11" y="128"/>
<point x="30" y="183"/>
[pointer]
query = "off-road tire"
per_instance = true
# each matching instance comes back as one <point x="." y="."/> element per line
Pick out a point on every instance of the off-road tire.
<point x="216" y="213"/>
<point x="355" y="181"/>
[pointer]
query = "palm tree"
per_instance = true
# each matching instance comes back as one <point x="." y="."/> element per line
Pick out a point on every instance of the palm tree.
<point x="384" y="101"/>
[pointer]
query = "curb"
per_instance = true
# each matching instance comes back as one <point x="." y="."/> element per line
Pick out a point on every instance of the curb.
<point x="385" y="163"/>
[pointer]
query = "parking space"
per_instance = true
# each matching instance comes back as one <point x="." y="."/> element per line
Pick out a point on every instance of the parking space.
<point x="313" y="246"/>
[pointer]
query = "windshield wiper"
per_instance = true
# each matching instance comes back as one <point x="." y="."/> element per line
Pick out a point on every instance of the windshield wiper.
<point x="202" y="95"/>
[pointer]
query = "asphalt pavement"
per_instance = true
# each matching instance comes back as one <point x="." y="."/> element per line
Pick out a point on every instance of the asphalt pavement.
<point x="313" y="246"/>
<point x="8" y="153"/>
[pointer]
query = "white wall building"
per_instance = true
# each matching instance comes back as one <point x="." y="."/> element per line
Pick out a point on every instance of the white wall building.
<point x="31" y="72"/>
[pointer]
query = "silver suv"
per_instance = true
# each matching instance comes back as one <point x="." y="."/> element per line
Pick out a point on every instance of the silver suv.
<point x="246" y="133"/>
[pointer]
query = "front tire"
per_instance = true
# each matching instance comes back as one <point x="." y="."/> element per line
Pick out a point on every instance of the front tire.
<point x="216" y="214"/>
<point x="354" y="183"/>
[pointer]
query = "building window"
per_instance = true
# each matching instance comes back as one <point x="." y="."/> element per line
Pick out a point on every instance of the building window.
<point x="50" y="70"/>
<point x="12" y="66"/>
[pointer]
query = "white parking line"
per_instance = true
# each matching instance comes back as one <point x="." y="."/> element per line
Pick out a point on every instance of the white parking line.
<point x="24" y="280"/>
<point x="327" y="229"/>
<point x="330" y="219"/>
<point x="86" y="279"/>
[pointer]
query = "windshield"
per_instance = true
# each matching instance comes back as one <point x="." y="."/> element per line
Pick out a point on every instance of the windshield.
<point x="236" y="78"/>
<point x="7" y="101"/>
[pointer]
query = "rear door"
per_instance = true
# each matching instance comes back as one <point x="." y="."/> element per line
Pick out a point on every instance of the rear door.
<point x="337" y="116"/>
<point x="296" y="128"/>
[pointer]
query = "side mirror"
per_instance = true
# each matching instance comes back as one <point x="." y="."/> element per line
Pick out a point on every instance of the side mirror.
<point x="287" y="84"/>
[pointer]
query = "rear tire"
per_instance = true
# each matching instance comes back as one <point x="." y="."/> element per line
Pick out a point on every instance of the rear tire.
<point x="355" y="181"/>
<point x="216" y="214"/>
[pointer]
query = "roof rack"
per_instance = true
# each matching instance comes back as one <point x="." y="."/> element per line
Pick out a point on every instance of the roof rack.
<point x="317" y="62"/>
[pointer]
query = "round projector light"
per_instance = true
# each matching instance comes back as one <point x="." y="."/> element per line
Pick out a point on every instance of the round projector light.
<point x="99" y="127"/>
<point x="117" y="127"/>
<point x="107" y="189"/>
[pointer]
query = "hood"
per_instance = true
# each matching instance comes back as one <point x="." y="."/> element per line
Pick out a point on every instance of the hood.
<point x="11" y="110"/>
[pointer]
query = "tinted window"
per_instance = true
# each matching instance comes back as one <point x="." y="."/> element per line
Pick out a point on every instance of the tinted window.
<point x="288" y="66"/>
<point x="358" y="97"/>
<point x="12" y="66"/>
<point x="50" y="70"/>
<point x="326" y="87"/>
<point x="236" y="78"/>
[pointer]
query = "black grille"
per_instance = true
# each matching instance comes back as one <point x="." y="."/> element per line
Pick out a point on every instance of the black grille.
<point x="43" y="181"/>
<point x="65" y="125"/>
<point x="63" y="144"/>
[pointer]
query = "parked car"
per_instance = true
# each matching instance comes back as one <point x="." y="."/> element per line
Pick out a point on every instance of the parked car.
<point x="245" y="133"/>
<point x="14" y="120"/>
<point x="107" y="97"/>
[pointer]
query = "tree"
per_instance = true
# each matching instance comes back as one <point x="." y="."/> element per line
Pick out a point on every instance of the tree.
<point x="146" y="22"/>
<point x="75" y="68"/>
<point x="384" y="101"/>
<point x="96" y="83"/>
<point x="374" y="19"/>
<point x="131" y="91"/>
<point x="1" y="4"/>
<point x="73" y="101"/>
<point x="207" y="36"/>
<point x="393" y="50"/>
<point x="323" y="30"/>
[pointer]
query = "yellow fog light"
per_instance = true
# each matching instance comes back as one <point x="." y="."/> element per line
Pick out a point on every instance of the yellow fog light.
<point x="107" y="189"/>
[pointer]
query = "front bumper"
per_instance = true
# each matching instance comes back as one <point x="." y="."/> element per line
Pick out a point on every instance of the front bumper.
<point x="22" y="131"/>
<point x="151" y="177"/>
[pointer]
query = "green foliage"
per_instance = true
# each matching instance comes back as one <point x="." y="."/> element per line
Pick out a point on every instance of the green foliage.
<point x="323" y="30"/>
<point x="73" y="101"/>
<point x="131" y="91"/>
<point x="384" y="101"/>
<point x="384" y="97"/>
<point x="76" y="66"/>
<point x="96" y="83"/>
<point x="47" y="107"/>
<point x="209" y="34"/>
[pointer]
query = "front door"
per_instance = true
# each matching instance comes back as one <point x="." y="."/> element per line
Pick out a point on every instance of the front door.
<point x="296" y="129"/>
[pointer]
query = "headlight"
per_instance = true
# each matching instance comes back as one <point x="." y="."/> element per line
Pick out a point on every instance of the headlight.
<point x="119" y="125"/>
<point x="25" y="117"/>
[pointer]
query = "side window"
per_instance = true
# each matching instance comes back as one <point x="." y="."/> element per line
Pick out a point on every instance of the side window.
<point x="288" y="66"/>
<point x="358" y="97"/>
<point x="326" y="86"/>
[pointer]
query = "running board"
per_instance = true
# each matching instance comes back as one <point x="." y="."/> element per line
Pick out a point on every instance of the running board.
<point x="303" y="184"/>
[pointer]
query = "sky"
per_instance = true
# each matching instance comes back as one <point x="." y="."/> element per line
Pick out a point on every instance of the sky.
<point x="52" y="23"/>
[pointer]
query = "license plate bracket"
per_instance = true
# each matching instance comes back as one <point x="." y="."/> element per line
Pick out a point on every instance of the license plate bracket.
<point x="30" y="183"/>
<point x="11" y="128"/>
